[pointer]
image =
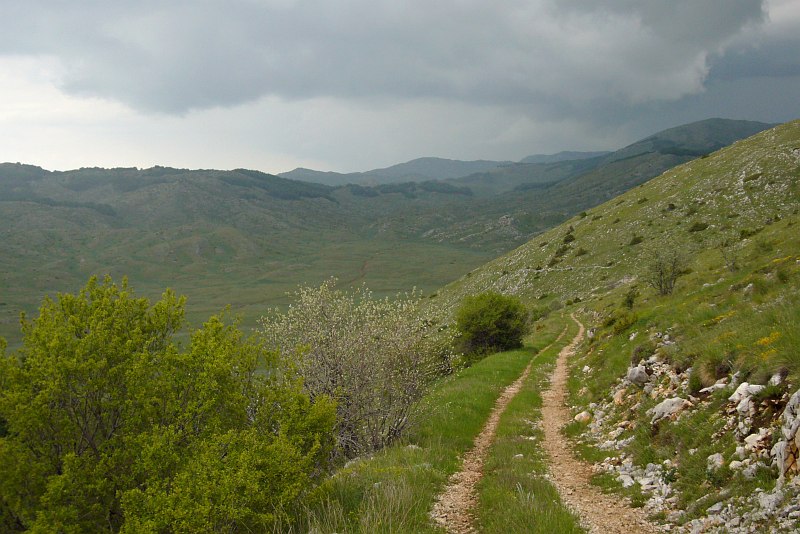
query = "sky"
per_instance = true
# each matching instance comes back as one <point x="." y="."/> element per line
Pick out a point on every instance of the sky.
<point x="352" y="85"/>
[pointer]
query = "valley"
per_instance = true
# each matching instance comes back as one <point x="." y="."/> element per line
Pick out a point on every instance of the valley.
<point x="244" y="238"/>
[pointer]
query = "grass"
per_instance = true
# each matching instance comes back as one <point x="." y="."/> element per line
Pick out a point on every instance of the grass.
<point x="514" y="495"/>
<point x="394" y="490"/>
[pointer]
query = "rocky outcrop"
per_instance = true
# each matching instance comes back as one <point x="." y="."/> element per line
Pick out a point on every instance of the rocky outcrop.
<point x="750" y="415"/>
<point x="787" y="451"/>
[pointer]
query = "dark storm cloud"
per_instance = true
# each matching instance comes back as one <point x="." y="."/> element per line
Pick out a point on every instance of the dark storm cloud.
<point x="546" y="58"/>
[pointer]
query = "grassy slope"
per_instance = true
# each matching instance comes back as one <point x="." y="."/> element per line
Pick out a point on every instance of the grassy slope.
<point x="724" y="321"/>
<point x="737" y="189"/>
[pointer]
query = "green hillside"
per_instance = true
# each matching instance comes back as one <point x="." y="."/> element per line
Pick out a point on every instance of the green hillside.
<point x="245" y="238"/>
<point x="730" y="221"/>
<point x="747" y="189"/>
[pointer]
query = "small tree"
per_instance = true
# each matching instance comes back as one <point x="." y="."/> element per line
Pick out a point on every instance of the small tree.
<point x="664" y="269"/>
<point x="492" y="322"/>
<point x="373" y="356"/>
<point x="729" y="255"/>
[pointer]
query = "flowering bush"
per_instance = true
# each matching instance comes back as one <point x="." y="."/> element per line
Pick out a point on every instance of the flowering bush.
<point x="373" y="356"/>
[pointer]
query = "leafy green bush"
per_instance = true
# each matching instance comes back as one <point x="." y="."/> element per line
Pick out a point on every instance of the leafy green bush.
<point x="492" y="322"/>
<point x="111" y="427"/>
<point x="624" y="320"/>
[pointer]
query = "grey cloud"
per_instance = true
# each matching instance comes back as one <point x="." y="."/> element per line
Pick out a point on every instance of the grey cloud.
<point x="545" y="58"/>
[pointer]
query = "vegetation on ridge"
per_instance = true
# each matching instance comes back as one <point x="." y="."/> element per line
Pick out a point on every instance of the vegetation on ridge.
<point x="731" y="317"/>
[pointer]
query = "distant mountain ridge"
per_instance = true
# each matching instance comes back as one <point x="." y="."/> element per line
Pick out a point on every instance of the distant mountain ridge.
<point x="689" y="140"/>
<point x="566" y="155"/>
<point x="416" y="170"/>
<point x="245" y="238"/>
<point x="426" y="168"/>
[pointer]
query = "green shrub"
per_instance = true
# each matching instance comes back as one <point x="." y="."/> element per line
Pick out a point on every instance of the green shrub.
<point x="561" y="250"/>
<point x="624" y="320"/>
<point x="113" y="427"/>
<point x="492" y="322"/>
<point x="630" y="297"/>
<point x="374" y="357"/>
<point x="695" y="382"/>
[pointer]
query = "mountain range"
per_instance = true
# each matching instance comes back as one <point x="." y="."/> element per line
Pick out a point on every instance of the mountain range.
<point x="245" y="238"/>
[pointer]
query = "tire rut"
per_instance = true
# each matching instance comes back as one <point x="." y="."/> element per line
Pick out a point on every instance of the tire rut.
<point x="598" y="512"/>
<point x="453" y="508"/>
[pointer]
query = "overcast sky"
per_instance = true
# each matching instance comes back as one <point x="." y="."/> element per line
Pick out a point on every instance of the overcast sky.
<point x="352" y="85"/>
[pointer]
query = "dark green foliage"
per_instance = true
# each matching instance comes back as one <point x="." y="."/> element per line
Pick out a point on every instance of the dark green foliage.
<point x="635" y="240"/>
<point x="111" y="427"/>
<point x="630" y="297"/>
<point x="698" y="226"/>
<point x="275" y="186"/>
<point x="492" y="322"/>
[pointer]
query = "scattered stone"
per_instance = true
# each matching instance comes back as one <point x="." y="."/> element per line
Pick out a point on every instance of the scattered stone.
<point x="583" y="417"/>
<point x="719" y="384"/>
<point x="715" y="461"/>
<point x="787" y="450"/>
<point x="716" y="508"/>
<point x="638" y="375"/>
<point x="770" y="501"/>
<point x="776" y="379"/>
<point x="626" y="480"/>
<point x="744" y="391"/>
<point x="668" y="408"/>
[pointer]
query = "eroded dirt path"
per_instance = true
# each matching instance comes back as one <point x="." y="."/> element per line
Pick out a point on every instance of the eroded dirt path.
<point x="599" y="512"/>
<point x="453" y="508"/>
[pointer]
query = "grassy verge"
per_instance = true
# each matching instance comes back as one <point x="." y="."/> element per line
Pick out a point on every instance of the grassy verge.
<point x="723" y="323"/>
<point x="514" y="495"/>
<point x="394" y="490"/>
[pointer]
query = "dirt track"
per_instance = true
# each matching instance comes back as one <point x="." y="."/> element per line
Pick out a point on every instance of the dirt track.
<point x="453" y="507"/>
<point x="599" y="512"/>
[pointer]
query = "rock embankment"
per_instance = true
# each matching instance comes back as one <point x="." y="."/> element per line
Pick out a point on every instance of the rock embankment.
<point x="765" y="425"/>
